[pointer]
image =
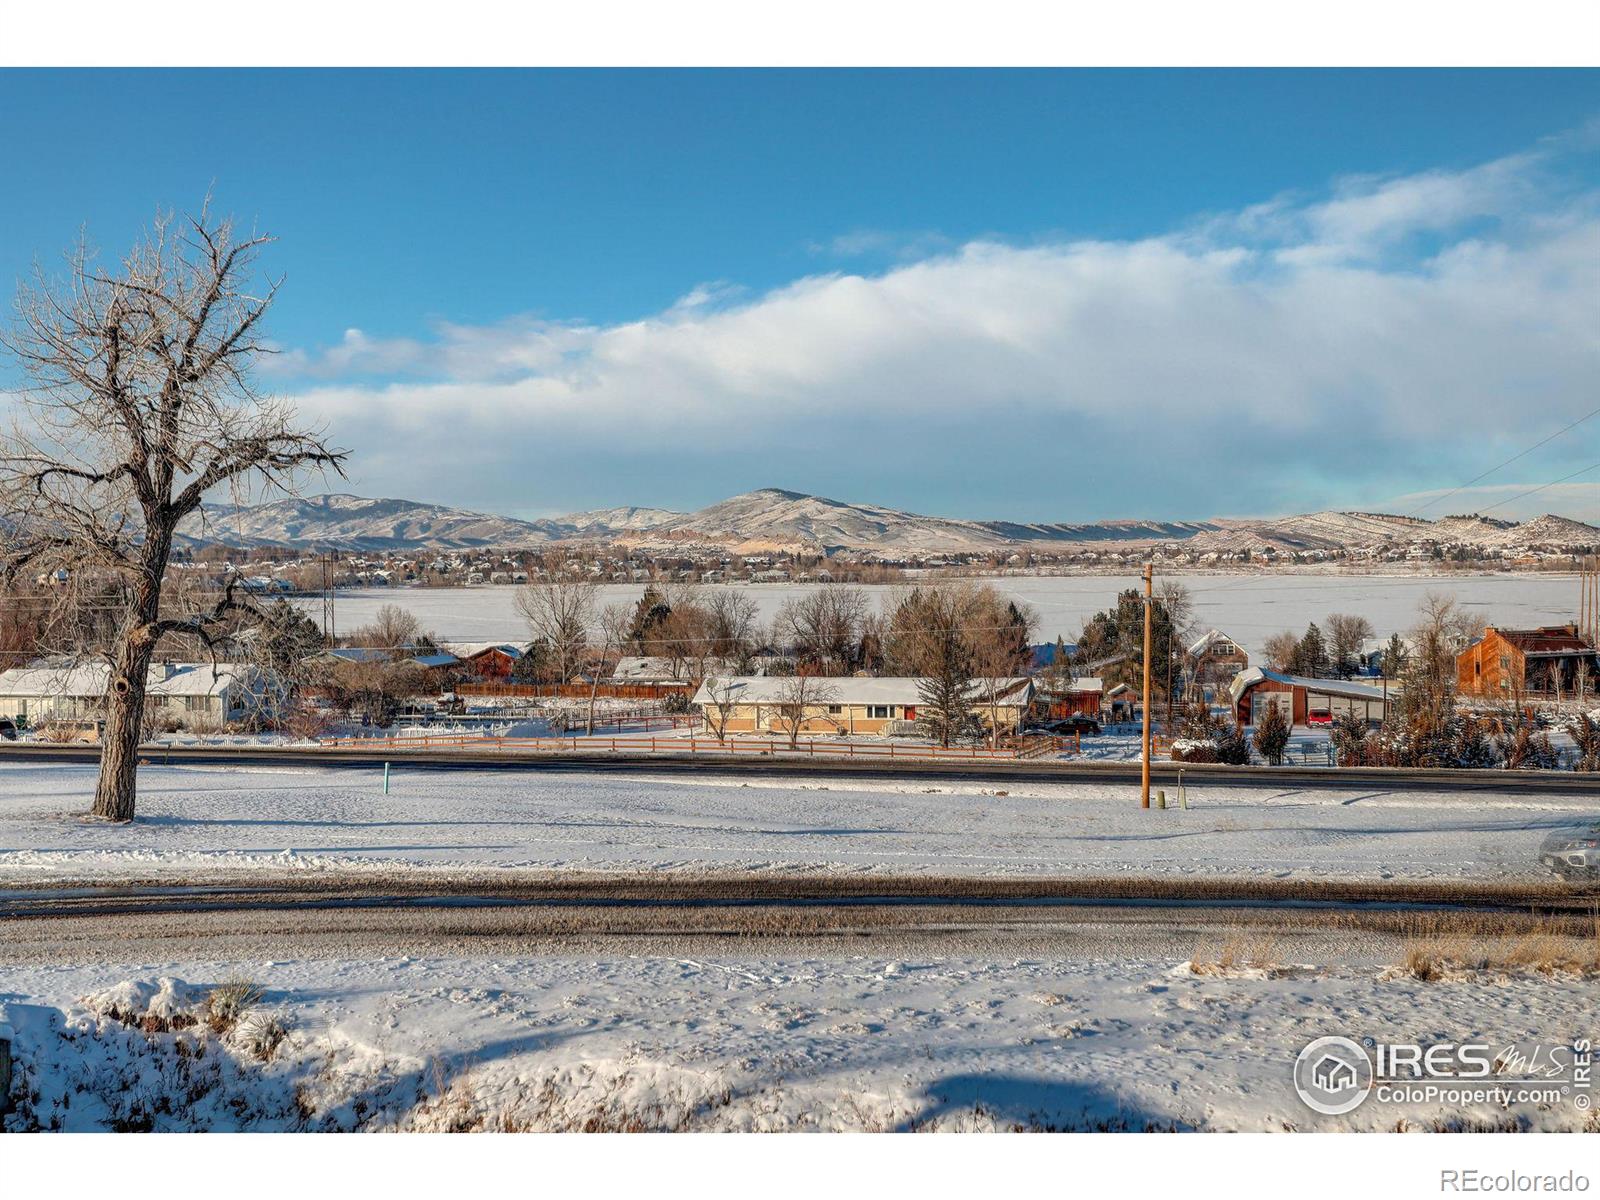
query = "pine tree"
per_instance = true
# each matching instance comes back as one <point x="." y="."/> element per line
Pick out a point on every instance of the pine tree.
<point x="945" y="692"/>
<point x="1349" y="739"/>
<point x="1272" y="734"/>
<point x="1394" y="657"/>
<point x="1311" y="655"/>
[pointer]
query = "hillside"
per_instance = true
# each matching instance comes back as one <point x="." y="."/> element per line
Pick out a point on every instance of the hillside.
<point x="775" y="519"/>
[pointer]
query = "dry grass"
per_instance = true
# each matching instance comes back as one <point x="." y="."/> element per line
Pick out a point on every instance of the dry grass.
<point x="633" y="890"/>
<point x="1553" y="952"/>
<point x="1238" y="954"/>
<point x="229" y="1001"/>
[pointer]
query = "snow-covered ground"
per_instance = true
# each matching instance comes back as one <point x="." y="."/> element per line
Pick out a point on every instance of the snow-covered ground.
<point x="1249" y="608"/>
<point x="682" y="1043"/>
<point x="211" y="818"/>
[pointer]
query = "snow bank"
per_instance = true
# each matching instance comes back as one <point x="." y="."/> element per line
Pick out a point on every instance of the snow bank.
<point x="747" y="1044"/>
<point x="216" y="820"/>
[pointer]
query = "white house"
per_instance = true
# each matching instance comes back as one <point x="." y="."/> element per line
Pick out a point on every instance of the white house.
<point x="851" y="704"/>
<point x="194" y="693"/>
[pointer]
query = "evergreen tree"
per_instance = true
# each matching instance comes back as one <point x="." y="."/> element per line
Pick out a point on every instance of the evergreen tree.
<point x="1272" y="734"/>
<point x="945" y="690"/>
<point x="285" y="638"/>
<point x="649" y="615"/>
<point x="1119" y="633"/>
<point x="1349" y="739"/>
<point x="1394" y="657"/>
<point x="1311" y="655"/>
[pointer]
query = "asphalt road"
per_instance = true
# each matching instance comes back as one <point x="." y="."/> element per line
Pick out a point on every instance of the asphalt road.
<point x="1163" y="774"/>
<point x="361" y="917"/>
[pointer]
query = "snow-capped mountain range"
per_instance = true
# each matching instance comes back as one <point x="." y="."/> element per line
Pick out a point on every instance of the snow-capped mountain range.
<point x="774" y="519"/>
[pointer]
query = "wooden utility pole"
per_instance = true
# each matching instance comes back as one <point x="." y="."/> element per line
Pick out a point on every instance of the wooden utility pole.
<point x="1144" y="768"/>
<point x="329" y="633"/>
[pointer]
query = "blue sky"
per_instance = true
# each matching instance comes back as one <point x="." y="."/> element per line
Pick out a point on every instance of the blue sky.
<point x="1052" y="295"/>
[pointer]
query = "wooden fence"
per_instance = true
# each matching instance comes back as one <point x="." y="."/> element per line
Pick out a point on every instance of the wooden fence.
<point x="810" y="747"/>
<point x="579" y="691"/>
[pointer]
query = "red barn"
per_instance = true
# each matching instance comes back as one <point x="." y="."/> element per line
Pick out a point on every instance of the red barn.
<point x="491" y="662"/>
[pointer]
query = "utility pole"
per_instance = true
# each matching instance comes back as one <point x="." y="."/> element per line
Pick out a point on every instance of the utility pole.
<point x="1144" y="769"/>
<point x="328" y="630"/>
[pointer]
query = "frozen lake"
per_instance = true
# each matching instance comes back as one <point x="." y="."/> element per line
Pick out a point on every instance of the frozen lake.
<point x="1249" y="608"/>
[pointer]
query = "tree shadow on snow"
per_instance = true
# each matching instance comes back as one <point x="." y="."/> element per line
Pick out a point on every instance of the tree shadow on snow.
<point x="1033" y="1104"/>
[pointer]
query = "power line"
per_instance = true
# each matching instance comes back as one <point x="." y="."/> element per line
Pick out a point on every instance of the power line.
<point x="1507" y="463"/>
<point x="1543" y="487"/>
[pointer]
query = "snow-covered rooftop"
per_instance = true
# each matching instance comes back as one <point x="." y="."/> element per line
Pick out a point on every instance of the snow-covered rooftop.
<point x="1207" y="640"/>
<point x="849" y="689"/>
<point x="89" y="679"/>
<point x="1329" y="687"/>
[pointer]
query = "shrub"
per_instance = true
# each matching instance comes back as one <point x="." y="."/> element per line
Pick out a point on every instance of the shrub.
<point x="1184" y="750"/>
<point x="1272" y="734"/>
<point x="1349" y="739"/>
<point x="1470" y="743"/>
<point x="1586" y="735"/>
<point x="229" y="1001"/>
<point x="1232" y="748"/>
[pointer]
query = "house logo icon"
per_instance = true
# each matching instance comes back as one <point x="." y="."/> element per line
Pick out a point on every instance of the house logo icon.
<point x="1333" y="1075"/>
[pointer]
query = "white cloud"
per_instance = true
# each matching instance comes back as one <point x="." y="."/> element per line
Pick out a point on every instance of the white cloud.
<point x="1508" y="501"/>
<point x="1285" y="356"/>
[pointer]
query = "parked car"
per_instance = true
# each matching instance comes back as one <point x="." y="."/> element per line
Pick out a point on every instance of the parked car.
<point x="1076" y="724"/>
<point x="1574" y="852"/>
<point x="8" y="729"/>
<point x="1319" y="716"/>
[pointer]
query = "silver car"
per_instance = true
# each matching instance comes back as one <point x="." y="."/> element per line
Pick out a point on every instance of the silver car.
<point x="1573" y="853"/>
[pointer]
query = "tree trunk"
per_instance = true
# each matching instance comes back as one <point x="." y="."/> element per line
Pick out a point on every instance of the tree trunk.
<point x="119" y="750"/>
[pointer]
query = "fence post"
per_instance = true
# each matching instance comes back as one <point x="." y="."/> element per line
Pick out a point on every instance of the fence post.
<point x="6" y="1036"/>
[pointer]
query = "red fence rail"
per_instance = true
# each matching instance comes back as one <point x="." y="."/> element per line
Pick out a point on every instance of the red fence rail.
<point x="578" y="691"/>
<point x="1028" y="748"/>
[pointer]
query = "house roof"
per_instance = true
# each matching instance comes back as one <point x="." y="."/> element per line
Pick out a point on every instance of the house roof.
<point x="848" y="689"/>
<point x="89" y="679"/>
<point x="351" y="654"/>
<point x="474" y="649"/>
<point x="1327" y="687"/>
<point x="1205" y="641"/>
<point x="1546" y="640"/>
<point x="652" y="666"/>
<point x="1081" y="683"/>
<point x="434" y="660"/>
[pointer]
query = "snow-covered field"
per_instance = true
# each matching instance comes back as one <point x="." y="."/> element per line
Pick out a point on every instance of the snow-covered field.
<point x="211" y="818"/>
<point x="680" y="1043"/>
<point x="1250" y="608"/>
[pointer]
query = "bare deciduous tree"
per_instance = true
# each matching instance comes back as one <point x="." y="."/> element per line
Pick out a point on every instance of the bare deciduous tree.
<point x="796" y="696"/>
<point x="824" y="626"/>
<point x="610" y="628"/>
<point x="722" y="697"/>
<point x="732" y="621"/>
<point x="1280" y="650"/>
<point x="559" y="613"/>
<point x="1347" y="633"/>
<point x="392" y="628"/>
<point x="140" y="404"/>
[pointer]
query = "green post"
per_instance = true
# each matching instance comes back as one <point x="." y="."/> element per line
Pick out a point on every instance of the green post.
<point x="1161" y="797"/>
<point x="385" y="779"/>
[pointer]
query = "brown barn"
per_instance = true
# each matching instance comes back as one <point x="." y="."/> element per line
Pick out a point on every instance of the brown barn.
<point x="1553" y="660"/>
<point x="488" y="662"/>
<point x="1082" y="696"/>
<point x="1304" y="701"/>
